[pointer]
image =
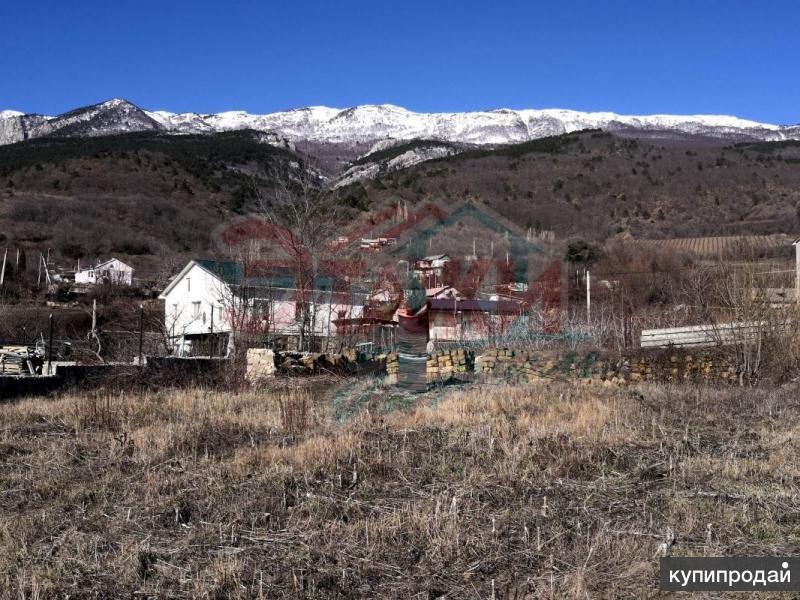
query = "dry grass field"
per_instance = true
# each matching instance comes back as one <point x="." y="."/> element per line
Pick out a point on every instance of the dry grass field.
<point x="546" y="491"/>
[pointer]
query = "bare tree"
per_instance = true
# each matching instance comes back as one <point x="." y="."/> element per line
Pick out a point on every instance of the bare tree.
<point x="757" y="333"/>
<point x="306" y="218"/>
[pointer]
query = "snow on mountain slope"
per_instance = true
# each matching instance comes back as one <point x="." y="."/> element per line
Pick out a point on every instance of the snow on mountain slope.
<point x="372" y="123"/>
<point x="369" y="124"/>
<point x="380" y="159"/>
<point x="107" y="118"/>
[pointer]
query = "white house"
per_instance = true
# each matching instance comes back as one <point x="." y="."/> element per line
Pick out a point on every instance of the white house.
<point x="429" y="269"/>
<point x="112" y="271"/>
<point x="208" y="300"/>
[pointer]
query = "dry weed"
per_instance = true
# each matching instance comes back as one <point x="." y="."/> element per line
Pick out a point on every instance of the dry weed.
<point x="541" y="491"/>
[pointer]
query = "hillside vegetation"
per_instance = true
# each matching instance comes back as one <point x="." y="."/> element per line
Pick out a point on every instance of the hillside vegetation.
<point x="152" y="197"/>
<point x="597" y="185"/>
<point x="137" y="194"/>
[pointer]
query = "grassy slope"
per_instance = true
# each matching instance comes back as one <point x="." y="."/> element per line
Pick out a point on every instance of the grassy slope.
<point x="551" y="490"/>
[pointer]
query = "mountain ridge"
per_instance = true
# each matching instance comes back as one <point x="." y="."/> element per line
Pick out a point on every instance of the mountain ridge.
<point x="371" y="123"/>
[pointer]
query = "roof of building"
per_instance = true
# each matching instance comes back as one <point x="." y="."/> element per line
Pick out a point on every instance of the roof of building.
<point x="433" y="257"/>
<point x="472" y="305"/>
<point x="228" y="271"/>
<point x="442" y="289"/>
<point x="233" y="274"/>
<point x="102" y="264"/>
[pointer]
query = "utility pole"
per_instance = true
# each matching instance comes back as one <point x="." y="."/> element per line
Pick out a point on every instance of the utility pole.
<point x="797" y="270"/>
<point x="588" y="298"/>
<point x="47" y="268"/>
<point x="3" y="270"/>
<point x="141" y="334"/>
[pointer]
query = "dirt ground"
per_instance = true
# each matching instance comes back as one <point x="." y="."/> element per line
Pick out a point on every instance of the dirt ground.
<point x="350" y="490"/>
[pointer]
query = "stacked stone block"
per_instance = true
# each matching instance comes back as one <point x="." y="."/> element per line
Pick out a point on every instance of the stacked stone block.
<point x="448" y="364"/>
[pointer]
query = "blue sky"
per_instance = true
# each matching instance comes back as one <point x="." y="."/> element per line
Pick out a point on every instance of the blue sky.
<point x="729" y="57"/>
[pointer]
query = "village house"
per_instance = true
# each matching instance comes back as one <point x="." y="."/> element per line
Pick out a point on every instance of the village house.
<point x="374" y="244"/>
<point x="461" y="319"/>
<point x="113" y="271"/>
<point x="430" y="269"/>
<point x="208" y="303"/>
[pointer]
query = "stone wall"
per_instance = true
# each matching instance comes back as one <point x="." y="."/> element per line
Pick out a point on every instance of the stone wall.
<point x="672" y="366"/>
<point x="392" y="366"/>
<point x="260" y="364"/>
<point x="658" y="365"/>
<point x="525" y="366"/>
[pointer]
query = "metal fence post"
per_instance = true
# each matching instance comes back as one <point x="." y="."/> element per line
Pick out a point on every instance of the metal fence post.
<point x="50" y="348"/>
<point x="211" y="335"/>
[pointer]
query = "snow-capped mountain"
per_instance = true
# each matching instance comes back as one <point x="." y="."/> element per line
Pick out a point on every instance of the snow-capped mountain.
<point x="369" y="124"/>
<point x="372" y="123"/>
<point x="108" y="118"/>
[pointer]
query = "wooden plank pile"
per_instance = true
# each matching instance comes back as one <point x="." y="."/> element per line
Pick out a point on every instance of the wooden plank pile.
<point x="20" y="361"/>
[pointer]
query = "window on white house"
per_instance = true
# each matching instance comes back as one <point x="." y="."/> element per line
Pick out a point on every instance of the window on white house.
<point x="175" y="310"/>
<point x="196" y="309"/>
<point x="188" y="285"/>
<point x="262" y="310"/>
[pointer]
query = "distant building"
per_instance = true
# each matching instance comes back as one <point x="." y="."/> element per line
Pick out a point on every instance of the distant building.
<point x="443" y="291"/>
<point x="112" y="271"/>
<point x="373" y="244"/>
<point x="430" y="269"/>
